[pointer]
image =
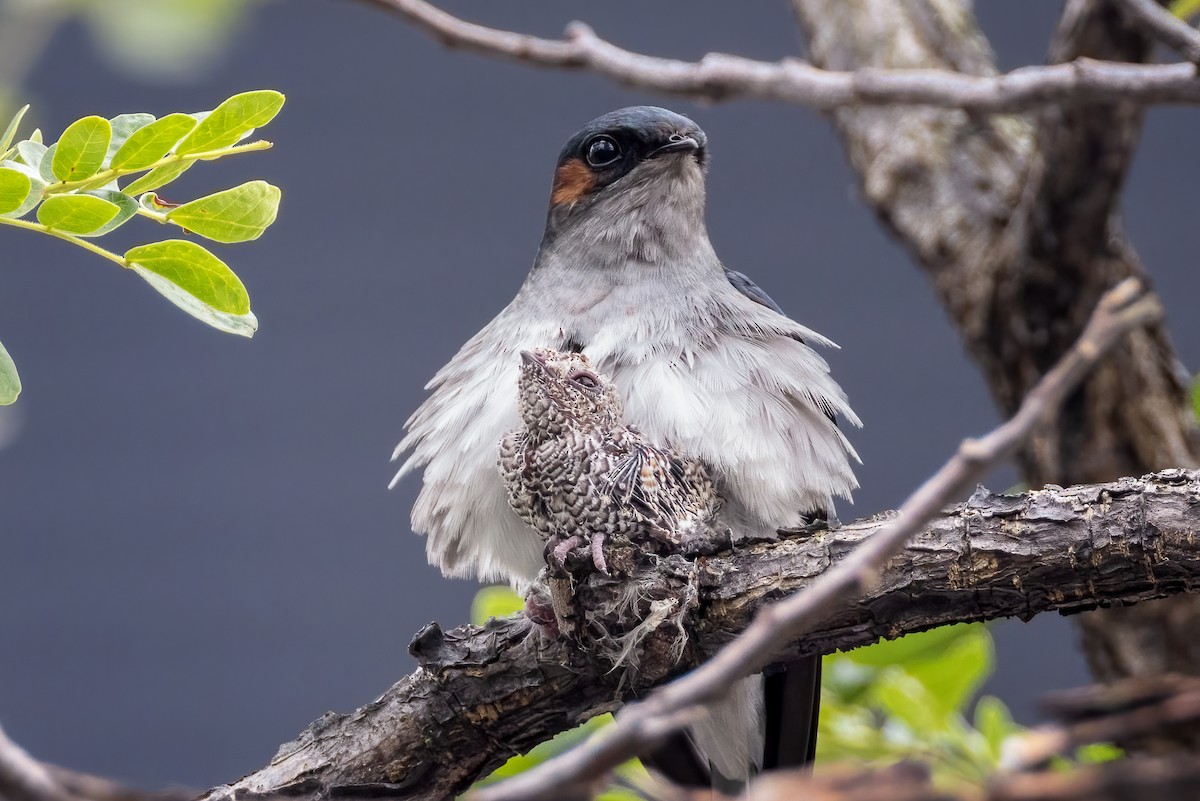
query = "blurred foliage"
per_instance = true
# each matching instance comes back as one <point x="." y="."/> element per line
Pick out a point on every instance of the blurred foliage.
<point x="909" y="698"/>
<point x="162" y="39"/>
<point x="912" y="698"/>
<point x="72" y="187"/>
<point x="1196" y="396"/>
<point x="1185" y="9"/>
<point x="149" y="40"/>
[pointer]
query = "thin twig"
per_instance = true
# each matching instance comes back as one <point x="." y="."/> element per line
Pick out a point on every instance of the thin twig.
<point x="23" y="778"/>
<point x="641" y="726"/>
<point x="1122" y="712"/>
<point x="719" y="76"/>
<point x="1166" y="27"/>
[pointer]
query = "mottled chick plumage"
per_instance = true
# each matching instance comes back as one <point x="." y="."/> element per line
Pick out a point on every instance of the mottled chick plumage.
<point x="578" y="475"/>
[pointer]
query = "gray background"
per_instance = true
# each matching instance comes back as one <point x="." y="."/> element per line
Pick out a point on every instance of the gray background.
<point x="198" y="553"/>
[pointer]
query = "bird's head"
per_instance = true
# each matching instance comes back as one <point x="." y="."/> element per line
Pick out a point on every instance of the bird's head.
<point x="630" y="163"/>
<point x="561" y="391"/>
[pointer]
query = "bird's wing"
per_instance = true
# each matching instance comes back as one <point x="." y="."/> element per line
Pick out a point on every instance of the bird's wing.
<point x="742" y="283"/>
<point x="661" y="488"/>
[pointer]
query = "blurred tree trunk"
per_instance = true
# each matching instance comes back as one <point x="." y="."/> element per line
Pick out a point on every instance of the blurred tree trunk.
<point x="1016" y="221"/>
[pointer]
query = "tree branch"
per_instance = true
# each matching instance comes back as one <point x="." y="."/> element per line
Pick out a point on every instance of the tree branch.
<point x="719" y="76"/>
<point x="1166" y="27"/>
<point x="1014" y="221"/>
<point x="482" y="694"/>
<point x="23" y="778"/>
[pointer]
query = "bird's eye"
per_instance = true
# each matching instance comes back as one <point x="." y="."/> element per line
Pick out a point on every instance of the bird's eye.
<point x="585" y="380"/>
<point x="603" y="151"/>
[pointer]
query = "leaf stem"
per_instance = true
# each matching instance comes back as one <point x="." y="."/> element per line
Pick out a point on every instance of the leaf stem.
<point x="105" y="176"/>
<point x="83" y="243"/>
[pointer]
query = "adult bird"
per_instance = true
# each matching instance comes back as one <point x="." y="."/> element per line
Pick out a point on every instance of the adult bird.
<point x="709" y="366"/>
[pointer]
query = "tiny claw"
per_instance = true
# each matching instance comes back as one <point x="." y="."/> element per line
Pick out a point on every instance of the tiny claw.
<point x="598" y="554"/>
<point x="560" y="551"/>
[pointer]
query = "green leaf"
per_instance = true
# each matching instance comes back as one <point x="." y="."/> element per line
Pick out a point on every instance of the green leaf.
<point x="923" y="645"/>
<point x="76" y="214"/>
<point x="81" y="149"/>
<point x="235" y="215"/>
<point x="158" y="177"/>
<point x="14" y="189"/>
<point x="31" y="152"/>
<point x="170" y="40"/>
<point x="123" y="127"/>
<point x="244" y="325"/>
<point x="1185" y="9"/>
<point x="230" y="121"/>
<point x="37" y="186"/>
<point x="11" y="130"/>
<point x="149" y="144"/>
<point x="127" y="207"/>
<point x="995" y="723"/>
<point x="46" y="166"/>
<point x="1196" y="397"/>
<point x="195" y="271"/>
<point x="10" y="382"/>
<point x="904" y="698"/>
<point x="958" y="672"/>
<point x="495" y="601"/>
<point x="1095" y="753"/>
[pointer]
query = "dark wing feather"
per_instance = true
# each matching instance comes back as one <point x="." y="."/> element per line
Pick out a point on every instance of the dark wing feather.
<point x="649" y="481"/>
<point x="742" y="283"/>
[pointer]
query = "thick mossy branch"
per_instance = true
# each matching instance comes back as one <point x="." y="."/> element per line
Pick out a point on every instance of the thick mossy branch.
<point x="484" y="693"/>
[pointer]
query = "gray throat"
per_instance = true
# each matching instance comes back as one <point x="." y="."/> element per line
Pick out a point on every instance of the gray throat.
<point x="653" y="216"/>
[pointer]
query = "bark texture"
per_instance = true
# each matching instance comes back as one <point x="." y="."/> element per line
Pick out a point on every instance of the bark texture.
<point x="1015" y="220"/>
<point x="482" y="694"/>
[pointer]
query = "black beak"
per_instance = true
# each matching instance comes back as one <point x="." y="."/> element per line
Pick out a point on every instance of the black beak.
<point x="678" y="143"/>
<point x="533" y="359"/>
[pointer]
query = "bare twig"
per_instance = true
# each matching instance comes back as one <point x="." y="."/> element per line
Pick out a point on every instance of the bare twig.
<point x="643" y="725"/>
<point x="23" y="778"/>
<point x="1159" y="779"/>
<point x="1125" y="712"/>
<point x="1166" y="27"/>
<point x="719" y="76"/>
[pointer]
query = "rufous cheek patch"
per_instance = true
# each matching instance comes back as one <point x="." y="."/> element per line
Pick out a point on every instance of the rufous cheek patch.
<point x="572" y="182"/>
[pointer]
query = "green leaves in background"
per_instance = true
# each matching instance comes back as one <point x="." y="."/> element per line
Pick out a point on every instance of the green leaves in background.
<point x="910" y="698"/>
<point x="229" y="122"/>
<point x="80" y="151"/>
<point x="235" y="215"/>
<point x="10" y="382"/>
<point x="74" y="185"/>
<point x="1196" y="396"/>
<point x="1185" y="9"/>
<point x="164" y="40"/>
<point x="496" y="601"/>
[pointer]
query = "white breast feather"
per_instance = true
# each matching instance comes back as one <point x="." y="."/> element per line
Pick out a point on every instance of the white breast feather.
<point x="749" y="408"/>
